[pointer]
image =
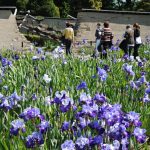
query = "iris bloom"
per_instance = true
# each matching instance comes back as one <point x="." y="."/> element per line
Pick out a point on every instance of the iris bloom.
<point x="140" y="134"/>
<point x="102" y="74"/>
<point x="82" y="142"/>
<point x="68" y="145"/>
<point x="82" y="85"/>
<point x="17" y="125"/>
<point x="30" y="113"/>
<point x="46" y="78"/>
<point x="34" y="140"/>
<point x="43" y="126"/>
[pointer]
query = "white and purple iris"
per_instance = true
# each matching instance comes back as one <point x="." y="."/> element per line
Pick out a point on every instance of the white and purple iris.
<point x="16" y="126"/>
<point x="34" y="140"/>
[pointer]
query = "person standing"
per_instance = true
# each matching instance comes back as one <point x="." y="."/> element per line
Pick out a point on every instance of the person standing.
<point x="69" y="37"/>
<point x="106" y="38"/>
<point x="98" y="34"/>
<point x="137" y="39"/>
<point x="129" y="36"/>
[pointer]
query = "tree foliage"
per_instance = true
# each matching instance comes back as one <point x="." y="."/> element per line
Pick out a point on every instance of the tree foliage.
<point x="43" y="7"/>
<point x="65" y="7"/>
<point x="144" y="5"/>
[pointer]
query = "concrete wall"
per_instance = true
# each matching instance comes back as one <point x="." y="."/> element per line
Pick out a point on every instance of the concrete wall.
<point x="87" y="20"/>
<point x="5" y="14"/>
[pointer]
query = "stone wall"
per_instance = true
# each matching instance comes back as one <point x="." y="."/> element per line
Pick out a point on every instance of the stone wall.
<point x="57" y="23"/>
<point x="10" y="37"/>
<point x="5" y="14"/>
<point x="87" y="20"/>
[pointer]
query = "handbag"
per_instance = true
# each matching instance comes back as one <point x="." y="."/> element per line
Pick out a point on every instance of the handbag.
<point x="138" y="40"/>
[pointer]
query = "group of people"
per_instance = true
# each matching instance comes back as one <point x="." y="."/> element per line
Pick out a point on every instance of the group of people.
<point x="131" y="41"/>
<point x="104" y="37"/>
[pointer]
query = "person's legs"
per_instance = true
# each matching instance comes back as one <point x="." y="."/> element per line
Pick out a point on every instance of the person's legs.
<point x="130" y="50"/>
<point x="106" y="45"/>
<point x="95" y="54"/>
<point x="136" y="48"/>
<point x="68" y="46"/>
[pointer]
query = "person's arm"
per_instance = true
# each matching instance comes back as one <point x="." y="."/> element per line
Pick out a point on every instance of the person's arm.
<point x="126" y="35"/>
<point x="112" y="35"/>
<point x="96" y="33"/>
<point x="72" y="35"/>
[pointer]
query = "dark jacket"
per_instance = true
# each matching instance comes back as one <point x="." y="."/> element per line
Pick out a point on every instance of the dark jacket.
<point x="129" y="36"/>
<point x="136" y="33"/>
<point x="98" y="33"/>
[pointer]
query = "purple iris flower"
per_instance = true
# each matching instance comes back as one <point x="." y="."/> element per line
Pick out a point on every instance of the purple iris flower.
<point x="30" y="113"/>
<point x="111" y="114"/>
<point x="85" y="98"/>
<point x="59" y="96"/>
<point x="17" y="125"/>
<point x="116" y="144"/>
<point x="146" y="98"/>
<point x="43" y="57"/>
<point x="97" y="140"/>
<point x="4" y="62"/>
<point x="147" y="90"/>
<point x="140" y="134"/>
<point x="66" y="104"/>
<point x="99" y="98"/>
<point x="138" y="83"/>
<point x="6" y="104"/>
<point x="94" y="124"/>
<point x="82" y="143"/>
<point x="84" y="41"/>
<point x="107" y="147"/>
<point x="34" y="140"/>
<point x="16" y="57"/>
<point x="125" y="57"/>
<point x="68" y="145"/>
<point x="35" y="58"/>
<point x="106" y="68"/>
<point x="91" y="110"/>
<point x="102" y="74"/>
<point x="9" y="63"/>
<point x="82" y="85"/>
<point x="133" y="85"/>
<point x="124" y="143"/>
<point x="15" y="96"/>
<point x="128" y="69"/>
<point x="104" y="52"/>
<point x="142" y="79"/>
<point x="43" y="126"/>
<point x="34" y="97"/>
<point x="10" y="101"/>
<point x="65" y="126"/>
<point x="117" y="131"/>
<point x="134" y="118"/>
<point x="83" y="122"/>
<point x="39" y="50"/>
<point x="140" y="64"/>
